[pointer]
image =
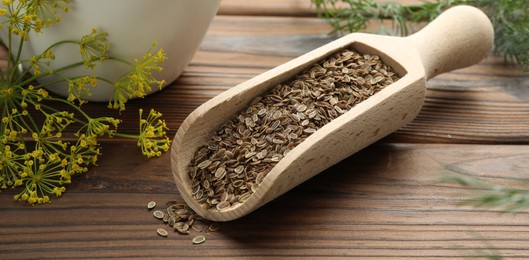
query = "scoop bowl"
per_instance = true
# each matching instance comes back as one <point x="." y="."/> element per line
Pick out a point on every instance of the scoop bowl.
<point x="459" y="37"/>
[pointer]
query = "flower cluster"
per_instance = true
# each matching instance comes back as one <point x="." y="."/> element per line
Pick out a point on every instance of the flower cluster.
<point x="138" y="82"/>
<point x="153" y="139"/>
<point x="33" y="153"/>
<point x="24" y="16"/>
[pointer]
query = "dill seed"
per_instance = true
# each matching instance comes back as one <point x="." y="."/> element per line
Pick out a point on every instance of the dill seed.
<point x="158" y="214"/>
<point x="199" y="239"/>
<point x="183" y="220"/>
<point x="213" y="227"/>
<point x="197" y="228"/>
<point x="162" y="232"/>
<point x="151" y="205"/>
<point x="237" y="156"/>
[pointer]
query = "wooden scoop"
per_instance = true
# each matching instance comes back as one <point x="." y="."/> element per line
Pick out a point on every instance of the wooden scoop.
<point x="459" y="37"/>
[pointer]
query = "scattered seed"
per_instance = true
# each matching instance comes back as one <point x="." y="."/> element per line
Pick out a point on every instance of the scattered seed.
<point x="199" y="239"/>
<point x="184" y="220"/>
<point x="182" y="228"/>
<point x="162" y="232"/>
<point x="158" y="214"/>
<point x="151" y="205"/>
<point x="213" y="227"/>
<point x="197" y="228"/>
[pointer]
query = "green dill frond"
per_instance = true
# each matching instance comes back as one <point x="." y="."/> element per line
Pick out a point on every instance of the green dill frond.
<point x="509" y="18"/>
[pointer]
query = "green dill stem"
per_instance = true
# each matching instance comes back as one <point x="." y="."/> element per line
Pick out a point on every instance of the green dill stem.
<point x="50" y="72"/>
<point x="17" y="59"/>
<point x="2" y="77"/>
<point x="43" y="85"/>
<point x="71" y="66"/>
<point x="9" y="57"/>
<point x="130" y="136"/>
<point x="26" y="125"/>
<point x="57" y="150"/>
<point x="105" y="80"/>
<point x="65" y="79"/>
<point x="4" y="114"/>
<point x="59" y="43"/>
<point x="11" y="104"/>
<point x="26" y="70"/>
<point x="120" y="60"/>
<point x="44" y="185"/>
<point x="70" y="104"/>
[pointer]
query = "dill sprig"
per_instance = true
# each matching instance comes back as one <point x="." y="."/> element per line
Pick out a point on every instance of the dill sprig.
<point x="486" y="194"/>
<point x="509" y="18"/>
<point x="33" y="155"/>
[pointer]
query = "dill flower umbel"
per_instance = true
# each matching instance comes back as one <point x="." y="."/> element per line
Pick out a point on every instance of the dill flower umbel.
<point x="138" y="82"/>
<point x="33" y="155"/>
<point x="152" y="139"/>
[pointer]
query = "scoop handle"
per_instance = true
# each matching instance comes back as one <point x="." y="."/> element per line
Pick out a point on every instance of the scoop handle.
<point x="459" y="37"/>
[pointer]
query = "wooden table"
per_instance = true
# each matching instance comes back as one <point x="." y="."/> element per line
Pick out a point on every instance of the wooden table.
<point x="383" y="202"/>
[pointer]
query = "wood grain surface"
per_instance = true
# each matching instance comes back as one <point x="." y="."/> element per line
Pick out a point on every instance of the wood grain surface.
<point x="385" y="202"/>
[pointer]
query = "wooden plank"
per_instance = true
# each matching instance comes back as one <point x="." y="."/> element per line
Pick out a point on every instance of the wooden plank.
<point x="384" y="202"/>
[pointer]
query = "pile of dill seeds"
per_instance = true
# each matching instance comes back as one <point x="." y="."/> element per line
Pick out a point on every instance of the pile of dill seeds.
<point x="229" y="168"/>
<point x="183" y="220"/>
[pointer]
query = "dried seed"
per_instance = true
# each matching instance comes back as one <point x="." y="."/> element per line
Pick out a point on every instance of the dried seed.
<point x="213" y="227"/>
<point x="171" y="221"/>
<point x="162" y="232"/>
<point x="197" y="228"/>
<point x="195" y="188"/>
<point x="239" y="169"/>
<point x="309" y="131"/>
<point x="273" y="126"/>
<point x="262" y="112"/>
<point x="204" y="164"/>
<point x="238" y="183"/>
<point x="220" y="172"/>
<point x="249" y="154"/>
<point x="182" y="228"/>
<point x="242" y="198"/>
<point x="151" y="205"/>
<point x="199" y="239"/>
<point x="301" y="108"/>
<point x="223" y="205"/>
<point x="165" y="218"/>
<point x="158" y="214"/>
<point x="376" y="79"/>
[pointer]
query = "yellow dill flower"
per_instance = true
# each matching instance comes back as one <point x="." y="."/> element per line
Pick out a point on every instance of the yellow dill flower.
<point x="100" y="126"/>
<point x="55" y="123"/>
<point x="45" y="12"/>
<point x="152" y="138"/>
<point x="79" y="88"/>
<point x="140" y="81"/>
<point x="41" y="178"/>
<point x="93" y="47"/>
